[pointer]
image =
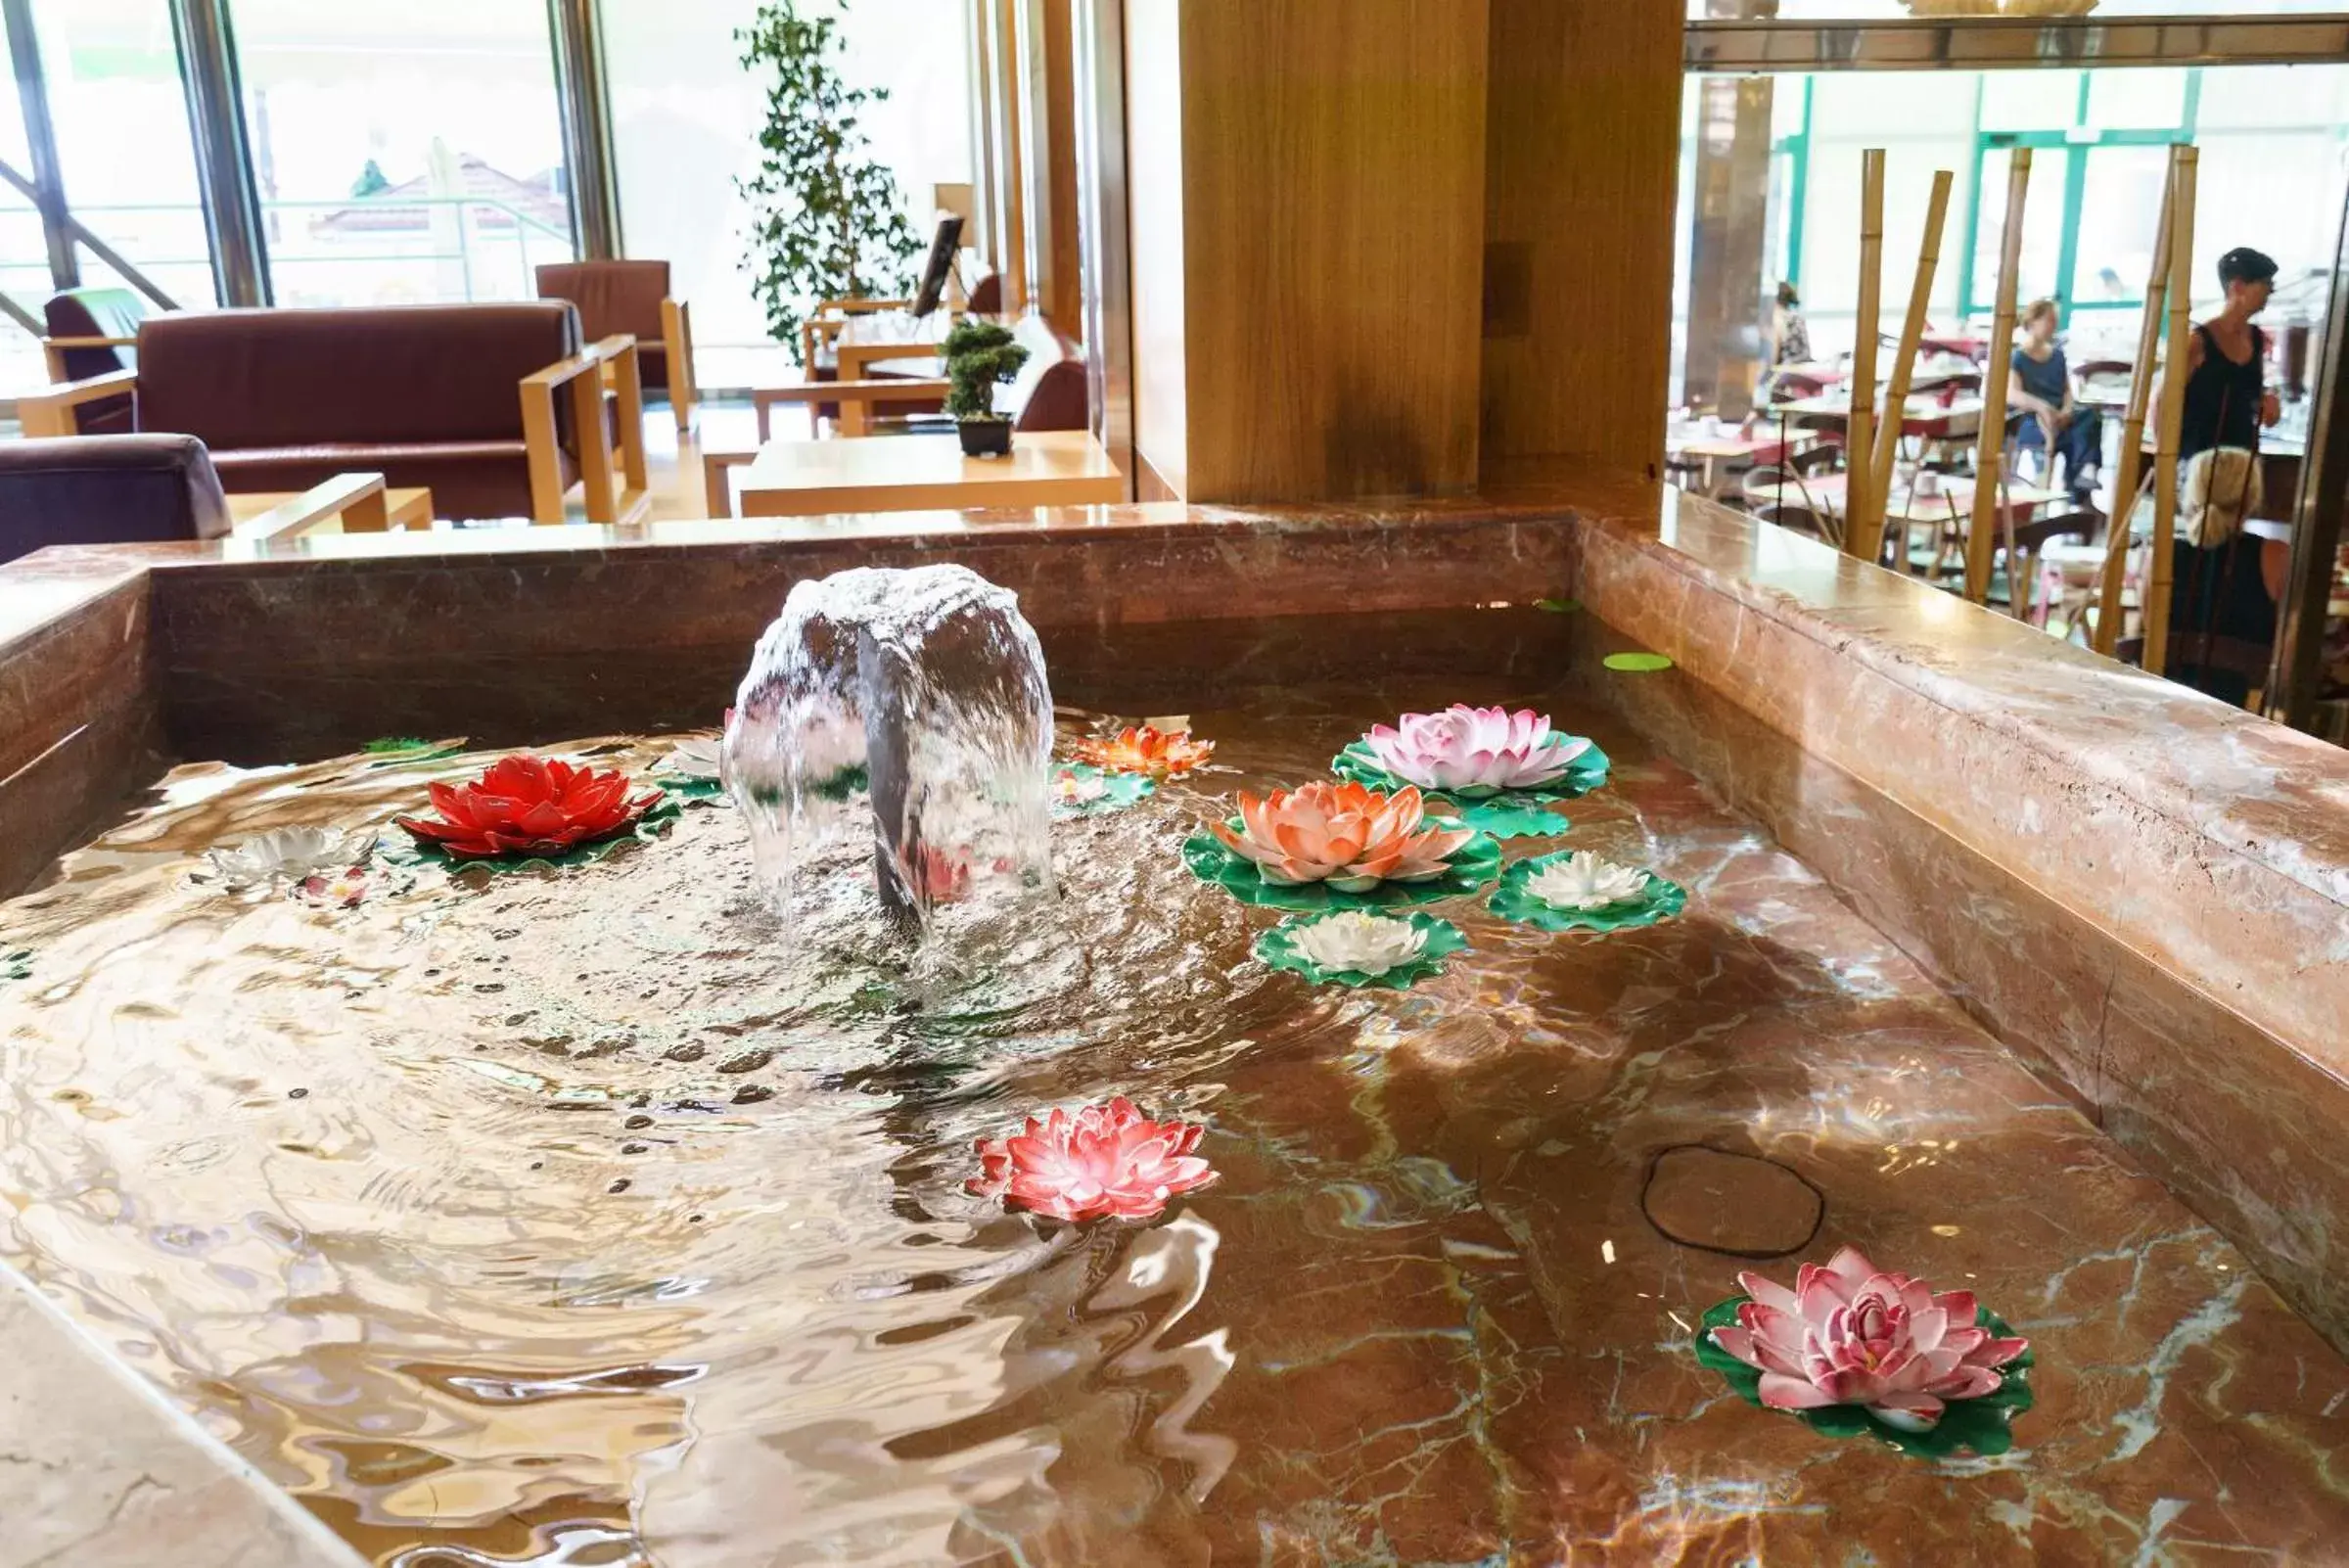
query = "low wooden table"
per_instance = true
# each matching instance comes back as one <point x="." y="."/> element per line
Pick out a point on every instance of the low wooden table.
<point x="920" y="473"/>
<point x="407" y="506"/>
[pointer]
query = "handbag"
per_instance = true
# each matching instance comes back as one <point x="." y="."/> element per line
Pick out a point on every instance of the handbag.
<point x="2207" y="518"/>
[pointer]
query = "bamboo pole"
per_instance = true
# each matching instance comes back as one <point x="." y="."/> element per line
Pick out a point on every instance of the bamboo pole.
<point x="2133" y="433"/>
<point x="2184" y="161"/>
<point x="1990" y="444"/>
<point x="1903" y="362"/>
<point x="1860" y="435"/>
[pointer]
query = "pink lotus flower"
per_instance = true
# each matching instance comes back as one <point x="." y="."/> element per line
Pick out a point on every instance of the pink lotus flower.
<point x="1348" y="835"/>
<point x="1474" y="752"/>
<point x="1851" y="1334"/>
<point x="1104" y="1159"/>
<point x="345" y="891"/>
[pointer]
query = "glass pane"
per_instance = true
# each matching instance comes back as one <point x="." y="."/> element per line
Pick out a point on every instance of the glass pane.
<point x="2120" y="208"/>
<point x="2234" y="97"/>
<point x="2043" y="229"/>
<point x="23" y="255"/>
<point x="404" y="153"/>
<point x="2136" y="100"/>
<point x="2280" y="194"/>
<point x="1830" y="281"/>
<point x="1810" y="11"/>
<point x="2030" y="99"/>
<point x="685" y="122"/>
<point x="122" y="145"/>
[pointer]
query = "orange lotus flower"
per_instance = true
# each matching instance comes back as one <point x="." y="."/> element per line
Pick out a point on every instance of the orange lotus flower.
<point x="529" y="805"/>
<point x="1159" y="753"/>
<point x="1348" y="835"/>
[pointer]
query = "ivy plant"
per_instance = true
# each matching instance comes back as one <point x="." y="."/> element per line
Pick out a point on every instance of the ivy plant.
<point x="827" y="220"/>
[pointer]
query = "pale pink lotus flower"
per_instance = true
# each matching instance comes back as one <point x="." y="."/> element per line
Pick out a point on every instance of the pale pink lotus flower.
<point x="1474" y="752"/>
<point x="1099" y="1162"/>
<point x="1348" y="835"/>
<point x="1852" y="1334"/>
<point x="345" y="891"/>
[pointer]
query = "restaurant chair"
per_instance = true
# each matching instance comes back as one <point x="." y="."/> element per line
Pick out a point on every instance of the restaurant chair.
<point x="94" y="332"/>
<point x="496" y="409"/>
<point x="143" y="489"/>
<point x="632" y="297"/>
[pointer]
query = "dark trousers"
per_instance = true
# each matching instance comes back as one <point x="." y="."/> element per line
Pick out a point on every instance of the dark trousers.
<point x="2080" y="443"/>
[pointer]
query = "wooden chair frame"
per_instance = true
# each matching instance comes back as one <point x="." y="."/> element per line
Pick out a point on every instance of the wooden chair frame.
<point x="824" y="322"/>
<point x="677" y="341"/>
<point x="355" y="503"/>
<point x="616" y="491"/>
<point x="54" y="349"/>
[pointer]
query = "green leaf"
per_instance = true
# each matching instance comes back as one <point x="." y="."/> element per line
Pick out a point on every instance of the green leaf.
<point x="1558" y="607"/>
<point x="1636" y="663"/>
<point x="1659" y="901"/>
<point x="1119" y="789"/>
<point x="1470" y="869"/>
<point x="1514" y="816"/>
<point x="1277" y="949"/>
<point x="1980" y="1426"/>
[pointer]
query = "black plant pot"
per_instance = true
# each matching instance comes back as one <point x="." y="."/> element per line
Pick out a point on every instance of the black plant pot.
<point x="985" y="437"/>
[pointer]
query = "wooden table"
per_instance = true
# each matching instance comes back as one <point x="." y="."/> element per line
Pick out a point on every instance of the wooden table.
<point x="406" y="506"/>
<point x="1763" y="446"/>
<point x="1956" y="499"/>
<point x="881" y="334"/>
<point x="1928" y="418"/>
<point x="919" y="473"/>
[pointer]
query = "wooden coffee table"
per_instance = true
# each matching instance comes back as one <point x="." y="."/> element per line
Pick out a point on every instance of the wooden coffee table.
<point x="922" y="472"/>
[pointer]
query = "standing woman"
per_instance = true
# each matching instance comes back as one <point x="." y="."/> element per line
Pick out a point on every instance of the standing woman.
<point x="2225" y="595"/>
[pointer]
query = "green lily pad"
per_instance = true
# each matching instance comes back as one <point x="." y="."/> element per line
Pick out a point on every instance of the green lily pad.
<point x="1660" y="899"/>
<point x="394" y="751"/>
<point x="1277" y="949"/>
<point x="1118" y="790"/>
<point x="1514" y="816"/>
<point x="402" y="847"/>
<point x="1585" y="773"/>
<point x="689" y="787"/>
<point x="1558" y="607"/>
<point x="1470" y="869"/>
<point x="841" y="785"/>
<point x="1636" y="663"/>
<point x="17" y="965"/>
<point x="1974" y="1426"/>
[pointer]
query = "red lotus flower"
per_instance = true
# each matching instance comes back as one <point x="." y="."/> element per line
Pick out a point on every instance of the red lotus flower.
<point x="529" y="805"/>
<point x="1155" y="752"/>
<point x="1104" y="1159"/>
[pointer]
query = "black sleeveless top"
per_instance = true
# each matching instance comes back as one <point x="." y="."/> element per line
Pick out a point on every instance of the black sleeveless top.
<point x="2222" y="398"/>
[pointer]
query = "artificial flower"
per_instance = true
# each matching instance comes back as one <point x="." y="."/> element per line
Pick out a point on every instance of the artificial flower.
<point x="699" y="758"/>
<point x="1101" y="1161"/>
<point x="1581" y="880"/>
<point x="1072" y="788"/>
<point x="1852" y="1334"/>
<point x="529" y="805"/>
<point x="288" y="854"/>
<point x="1359" y="941"/>
<point x="1473" y="751"/>
<point x="1157" y="753"/>
<point x="344" y="890"/>
<point x="1347" y="836"/>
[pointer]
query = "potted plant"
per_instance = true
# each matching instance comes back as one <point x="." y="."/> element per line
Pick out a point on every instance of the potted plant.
<point x="980" y="356"/>
<point x="827" y="221"/>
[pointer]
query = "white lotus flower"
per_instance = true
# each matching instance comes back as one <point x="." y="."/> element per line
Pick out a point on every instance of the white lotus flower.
<point x="1359" y="941"/>
<point x="289" y="854"/>
<point x="699" y="758"/>
<point x="1584" y="881"/>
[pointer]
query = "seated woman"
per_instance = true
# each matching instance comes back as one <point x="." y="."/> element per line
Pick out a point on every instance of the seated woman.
<point x="2041" y="386"/>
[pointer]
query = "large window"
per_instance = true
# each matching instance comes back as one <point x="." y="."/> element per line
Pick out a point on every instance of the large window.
<point x="685" y="119"/>
<point x="404" y="152"/>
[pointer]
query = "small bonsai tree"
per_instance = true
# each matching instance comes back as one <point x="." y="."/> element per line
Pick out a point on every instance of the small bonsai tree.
<point x="980" y="356"/>
<point x="826" y="219"/>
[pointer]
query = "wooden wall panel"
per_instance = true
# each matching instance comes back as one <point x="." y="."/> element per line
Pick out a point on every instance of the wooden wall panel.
<point x="1581" y="154"/>
<point x="1333" y="169"/>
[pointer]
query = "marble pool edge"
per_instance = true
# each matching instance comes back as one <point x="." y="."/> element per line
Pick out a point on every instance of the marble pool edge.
<point x="2044" y="830"/>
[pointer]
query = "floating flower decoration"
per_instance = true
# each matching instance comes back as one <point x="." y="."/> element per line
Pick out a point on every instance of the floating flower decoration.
<point x="530" y="807"/>
<point x="393" y="751"/>
<point x="1576" y="889"/>
<point x="1103" y="1161"/>
<point x="1581" y="880"/>
<point x="941" y="876"/>
<point x="1081" y="790"/>
<point x="288" y="854"/>
<point x="695" y="766"/>
<point x="1851" y="1345"/>
<point x="344" y="890"/>
<point x="1357" y="948"/>
<point x="16" y="964"/>
<point x="1157" y="754"/>
<point x="1346" y="835"/>
<point x="1471" y="753"/>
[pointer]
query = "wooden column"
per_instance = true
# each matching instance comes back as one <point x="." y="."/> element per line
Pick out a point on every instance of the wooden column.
<point x="2183" y="160"/>
<point x="1313" y="330"/>
<point x="1990" y="443"/>
<point x="1860" y="435"/>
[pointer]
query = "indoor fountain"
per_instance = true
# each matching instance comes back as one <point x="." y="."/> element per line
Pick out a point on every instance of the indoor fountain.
<point x="1401" y="1110"/>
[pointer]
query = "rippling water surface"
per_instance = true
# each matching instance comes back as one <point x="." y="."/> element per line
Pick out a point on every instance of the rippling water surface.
<point x="584" y="1218"/>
